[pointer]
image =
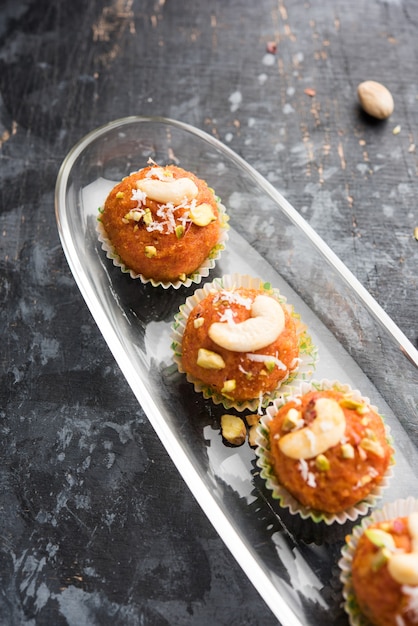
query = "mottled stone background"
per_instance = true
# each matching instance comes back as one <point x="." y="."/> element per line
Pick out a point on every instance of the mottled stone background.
<point x="97" y="527"/>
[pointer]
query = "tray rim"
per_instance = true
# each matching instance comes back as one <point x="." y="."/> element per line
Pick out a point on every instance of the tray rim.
<point x="187" y="470"/>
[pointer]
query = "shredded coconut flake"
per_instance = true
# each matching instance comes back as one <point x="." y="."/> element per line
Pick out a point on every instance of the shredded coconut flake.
<point x="234" y="298"/>
<point x="227" y="316"/>
<point x="166" y="213"/>
<point x="158" y="172"/>
<point x="412" y="606"/>
<point x="307" y="476"/>
<point x="138" y="196"/>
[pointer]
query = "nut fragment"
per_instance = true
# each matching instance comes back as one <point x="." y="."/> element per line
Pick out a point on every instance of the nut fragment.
<point x="233" y="429"/>
<point x="202" y="214"/>
<point x="375" y="99"/>
<point x="252" y="435"/>
<point x="150" y="251"/>
<point x="209" y="360"/>
<point x="229" y="386"/>
<point x="252" y="419"/>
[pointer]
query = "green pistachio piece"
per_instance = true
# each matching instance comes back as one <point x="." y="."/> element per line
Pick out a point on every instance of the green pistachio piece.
<point x="179" y="230"/>
<point x="347" y="451"/>
<point x="202" y="214"/>
<point x="198" y="322"/>
<point x="349" y="403"/>
<point x="229" y="385"/>
<point x="147" y="217"/>
<point x="209" y="360"/>
<point x="291" y="420"/>
<point x="150" y="251"/>
<point x="372" y="446"/>
<point x="322" y="463"/>
<point x="380" y="559"/>
<point x="380" y="538"/>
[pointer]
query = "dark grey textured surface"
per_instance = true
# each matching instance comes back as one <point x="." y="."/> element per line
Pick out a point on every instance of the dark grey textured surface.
<point x="97" y="527"/>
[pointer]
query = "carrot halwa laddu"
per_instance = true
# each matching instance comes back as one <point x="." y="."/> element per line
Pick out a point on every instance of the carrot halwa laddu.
<point x="163" y="222"/>
<point x="241" y="343"/>
<point x="328" y="449"/>
<point x="385" y="571"/>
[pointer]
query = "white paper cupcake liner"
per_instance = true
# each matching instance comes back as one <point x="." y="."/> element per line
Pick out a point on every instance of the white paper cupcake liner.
<point x="279" y="493"/>
<point x="390" y="511"/>
<point x="196" y="277"/>
<point x="308" y="351"/>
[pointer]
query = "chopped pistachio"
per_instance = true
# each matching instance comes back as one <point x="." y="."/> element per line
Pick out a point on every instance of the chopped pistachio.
<point x="202" y="214"/>
<point x="347" y="451"/>
<point x="365" y="480"/>
<point x="291" y="420"/>
<point x="252" y="435"/>
<point x="147" y="217"/>
<point x="372" y="446"/>
<point x="132" y="215"/>
<point x="362" y="410"/>
<point x="229" y="385"/>
<point x="233" y="429"/>
<point x="379" y="559"/>
<point x="270" y="365"/>
<point x="198" y="322"/>
<point x="252" y="419"/>
<point x="350" y="403"/>
<point x="120" y="195"/>
<point x="380" y="538"/>
<point x="370" y="434"/>
<point x="150" y="251"/>
<point x="209" y="360"/>
<point x="322" y="463"/>
<point x="179" y="230"/>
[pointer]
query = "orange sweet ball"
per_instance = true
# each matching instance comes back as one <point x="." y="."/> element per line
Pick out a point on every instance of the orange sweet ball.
<point x="163" y="222"/>
<point x="328" y="450"/>
<point x="235" y="373"/>
<point x="385" y="572"/>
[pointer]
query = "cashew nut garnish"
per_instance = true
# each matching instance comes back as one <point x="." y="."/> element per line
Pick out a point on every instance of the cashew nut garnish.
<point x="403" y="567"/>
<point x="266" y="323"/>
<point x="175" y="190"/>
<point x="324" y="432"/>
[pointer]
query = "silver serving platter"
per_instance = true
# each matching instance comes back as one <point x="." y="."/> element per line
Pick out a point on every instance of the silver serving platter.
<point x="292" y="563"/>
